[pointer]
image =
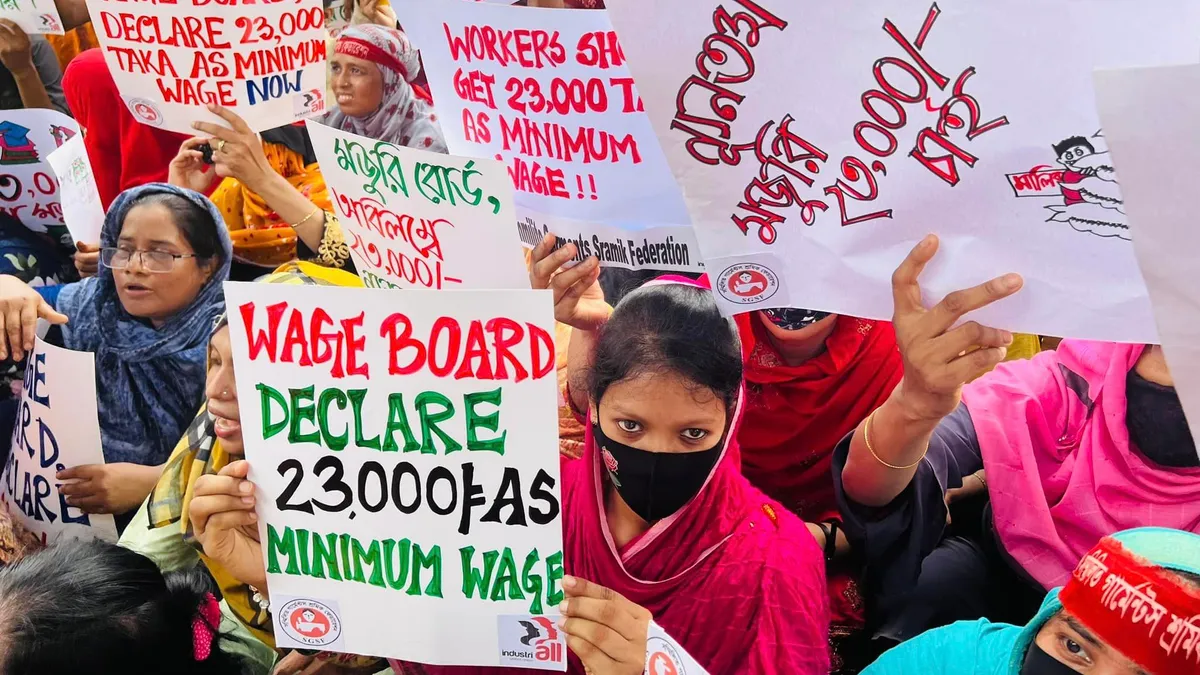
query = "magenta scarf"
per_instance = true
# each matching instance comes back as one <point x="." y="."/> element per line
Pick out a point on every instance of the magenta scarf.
<point x="735" y="579"/>
<point x="1062" y="474"/>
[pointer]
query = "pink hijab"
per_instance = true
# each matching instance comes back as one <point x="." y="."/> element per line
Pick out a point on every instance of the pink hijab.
<point x="1060" y="468"/>
<point x="733" y="577"/>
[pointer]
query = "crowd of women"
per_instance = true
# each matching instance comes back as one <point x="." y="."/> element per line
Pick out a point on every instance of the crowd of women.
<point x="790" y="492"/>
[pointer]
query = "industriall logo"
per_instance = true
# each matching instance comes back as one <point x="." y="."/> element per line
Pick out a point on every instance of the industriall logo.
<point x="531" y="640"/>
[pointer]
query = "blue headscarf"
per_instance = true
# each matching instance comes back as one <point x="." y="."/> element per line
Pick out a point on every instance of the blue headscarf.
<point x="149" y="382"/>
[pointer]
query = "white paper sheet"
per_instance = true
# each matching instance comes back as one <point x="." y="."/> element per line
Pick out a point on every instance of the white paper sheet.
<point x="81" y="208"/>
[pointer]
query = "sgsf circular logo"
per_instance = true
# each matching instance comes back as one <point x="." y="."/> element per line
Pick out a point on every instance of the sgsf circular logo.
<point x="311" y="622"/>
<point x="145" y="111"/>
<point x="747" y="283"/>
<point x="663" y="659"/>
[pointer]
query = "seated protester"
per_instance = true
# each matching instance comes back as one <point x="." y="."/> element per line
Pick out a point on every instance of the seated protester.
<point x="372" y="71"/>
<point x="1070" y="446"/>
<point x="161" y="529"/>
<point x="31" y="77"/>
<point x="92" y="607"/>
<point x="146" y="317"/>
<point x="1130" y="608"/>
<point x="271" y="193"/>
<point x="656" y="511"/>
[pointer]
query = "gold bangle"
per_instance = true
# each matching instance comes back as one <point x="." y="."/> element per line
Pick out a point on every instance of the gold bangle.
<point x="867" y="439"/>
<point x="333" y="251"/>
<point x="307" y="218"/>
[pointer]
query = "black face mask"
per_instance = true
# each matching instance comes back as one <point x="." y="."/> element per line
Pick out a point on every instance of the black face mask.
<point x="790" y="318"/>
<point x="655" y="484"/>
<point x="1038" y="662"/>
<point x="1156" y="424"/>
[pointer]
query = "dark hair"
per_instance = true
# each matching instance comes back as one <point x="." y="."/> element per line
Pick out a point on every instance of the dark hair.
<point x="1060" y="148"/>
<point x="617" y="282"/>
<point x="1190" y="577"/>
<point x="195" y="222"/>
<point x="98" y="608"/>
<point x="668" y="328"/>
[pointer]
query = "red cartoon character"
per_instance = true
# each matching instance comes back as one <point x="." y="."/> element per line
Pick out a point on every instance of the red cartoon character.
<point x="309" y="622"/>
<point x="748" y="282"/>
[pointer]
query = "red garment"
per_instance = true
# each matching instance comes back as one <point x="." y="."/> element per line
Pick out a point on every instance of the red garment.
<point x="795" y="415"/>
<point x="1071" y="196"/>
<point x="124" y="153"/>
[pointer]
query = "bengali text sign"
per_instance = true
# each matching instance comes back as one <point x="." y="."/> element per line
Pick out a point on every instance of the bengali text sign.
<point x="29" y="190"/>
<point x="548" y="93"/>
<point x="56" y="428"/>
<point x="418" y="219"/>
<point x="815" y="146"/>
<point x="173" y="58"/>
<point x="405" y="449"/>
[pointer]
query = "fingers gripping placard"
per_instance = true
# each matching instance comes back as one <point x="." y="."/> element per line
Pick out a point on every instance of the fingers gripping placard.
<point x="406" y="456"/>
<point x="172" y="58"/>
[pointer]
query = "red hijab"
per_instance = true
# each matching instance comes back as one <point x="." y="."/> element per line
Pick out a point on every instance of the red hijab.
<point x="734" y="578"/>
<point x="795" y="415"/>
<point x="124" y="153"/>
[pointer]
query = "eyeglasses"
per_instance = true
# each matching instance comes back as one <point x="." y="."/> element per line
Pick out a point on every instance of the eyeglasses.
<point x="158" y="262"/>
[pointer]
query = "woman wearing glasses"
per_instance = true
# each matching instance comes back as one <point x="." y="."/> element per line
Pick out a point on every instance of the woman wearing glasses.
<point x="146" y="316"/>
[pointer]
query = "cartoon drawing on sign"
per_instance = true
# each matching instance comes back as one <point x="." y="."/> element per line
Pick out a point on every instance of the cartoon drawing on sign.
<point x="307" y="622"/>
<point x="145" y="111"/>
<point x="1087" y="184"/>
<point x="747" y="283"/>
<point x="61" y="134"/>
<point x="310" y="622"/>
<point x="15" y="146"/>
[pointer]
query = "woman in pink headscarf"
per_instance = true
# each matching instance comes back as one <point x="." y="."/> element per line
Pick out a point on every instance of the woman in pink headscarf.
<point x="1066" y="448"/>
<point x="657" y="518"/>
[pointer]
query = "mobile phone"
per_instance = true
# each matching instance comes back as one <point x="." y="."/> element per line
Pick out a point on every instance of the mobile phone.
<point x="207" y="151"/>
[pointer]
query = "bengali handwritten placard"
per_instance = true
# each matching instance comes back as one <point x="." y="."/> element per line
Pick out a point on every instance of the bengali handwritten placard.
<point x="82" y="211"/>
<point x="548" y="92"/>
<point x="418" y="219"/>
<point x="29" y="190"/>
<point x="56" y="428"/>
<point x="35" y="17"/>
<point x="405" y="450"/>
<point x="816" y="146"/>
<point x="173" y="58"/>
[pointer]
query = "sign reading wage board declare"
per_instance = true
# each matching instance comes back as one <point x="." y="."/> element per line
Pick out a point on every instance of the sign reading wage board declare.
<point x="405" y="450"/>
<point x="172" y="58"/>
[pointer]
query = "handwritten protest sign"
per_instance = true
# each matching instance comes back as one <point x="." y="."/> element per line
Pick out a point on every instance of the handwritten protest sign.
<point x="80" y="198"/>
<point x="172" y="58"/>
<point x="406" y="456"/>
<point x="36" y="17"/>
<point x="28" y="190"/>
<point x="548" y="93"/>
<point x="418" y="219"/>
<point x="56" y="429"/>
<point x="816" y="145"/>
<point x="1145" y="110"/>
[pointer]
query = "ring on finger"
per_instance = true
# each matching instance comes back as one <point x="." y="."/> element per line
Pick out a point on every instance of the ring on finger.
<point x="221" y="145"/>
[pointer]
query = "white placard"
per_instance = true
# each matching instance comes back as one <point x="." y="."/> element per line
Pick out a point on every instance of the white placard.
<point x="171" y="59"/>
<point x="415" y="438"/>
<point x="56" y="428"/>
<point x="665" y="656"/>
<point x="817" y="143"/>
<point x="81" y="208"/>
<point x="35" y="17"/>
<point x="418" y="219"/>
<point x="548" y="93"/>
<point x="29" y="191"/>
<point x="1144" y="111"/>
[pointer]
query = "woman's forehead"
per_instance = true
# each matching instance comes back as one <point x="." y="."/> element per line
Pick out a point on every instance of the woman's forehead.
<point x="151" y="224"/>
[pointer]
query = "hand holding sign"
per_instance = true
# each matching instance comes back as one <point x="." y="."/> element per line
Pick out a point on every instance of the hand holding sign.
<point x="605" y="630"/>
<point x="87" y="259"/>
<point x="938" y="357"/>
<point x="20" y="308"/>
<point x="578" y="298"/>
<point x="108" y="488"/>
<point x="224" y="522"/>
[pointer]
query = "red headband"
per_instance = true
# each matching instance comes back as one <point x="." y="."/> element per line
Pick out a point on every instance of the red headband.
<point x="361" y="49"/>
<point x="1138" y="608"/>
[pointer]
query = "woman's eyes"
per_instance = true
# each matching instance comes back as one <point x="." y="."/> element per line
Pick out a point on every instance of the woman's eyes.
<point x="694" y="434"/>
<point x="628" y="426"/>
<point x="1074" y="650"/>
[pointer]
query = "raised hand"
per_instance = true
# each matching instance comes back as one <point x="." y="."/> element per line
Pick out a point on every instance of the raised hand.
<point x="578" y="298"/>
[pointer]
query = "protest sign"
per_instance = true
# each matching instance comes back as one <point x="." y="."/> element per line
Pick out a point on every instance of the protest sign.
<point x="35" y="17"/>
<point x="173" y="58"/>
<point x="548" y="93"/>
<point x="405" y="450"/>
<point x="815" y="146"/>
<point x="80" y="198"/>
<point x="28" y="190"/>
<point x="665" y="656"/>
<point x="56" y="428"/>
<point x="1145" y="110"/>
<point x="418" y="219"/>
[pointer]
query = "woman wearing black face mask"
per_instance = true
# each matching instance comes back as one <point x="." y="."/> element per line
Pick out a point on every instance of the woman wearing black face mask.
<point x="1069" y="447"/>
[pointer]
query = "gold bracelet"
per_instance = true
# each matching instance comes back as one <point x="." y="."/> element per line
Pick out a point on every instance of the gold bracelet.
<point x="307" y="218"/>
<point x="867" y="438"/>
<point x="333" y="251"/>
